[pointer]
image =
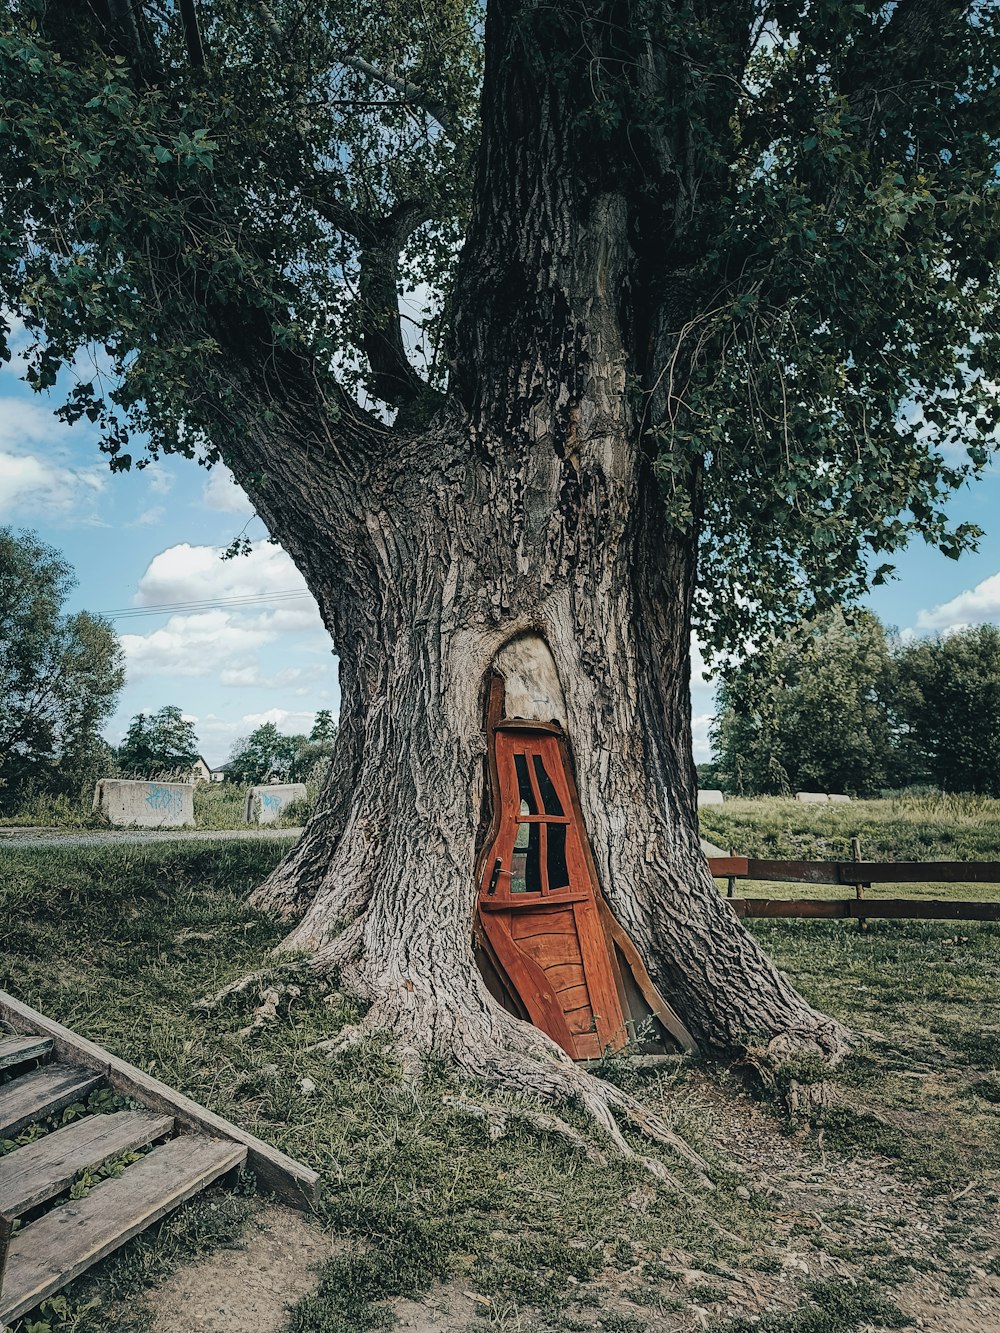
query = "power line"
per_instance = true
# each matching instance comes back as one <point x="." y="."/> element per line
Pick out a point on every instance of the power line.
<point x="282" y="596"/>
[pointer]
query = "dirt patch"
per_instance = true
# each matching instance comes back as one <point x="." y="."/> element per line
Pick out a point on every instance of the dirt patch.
<point x="448" y="1308"/>
<point x="235" y="1290"/>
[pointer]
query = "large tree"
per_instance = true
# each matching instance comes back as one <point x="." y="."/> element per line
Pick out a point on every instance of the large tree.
<point x="698" y="293"/>
<point x="158" y="744"/>
<point x="810" y="710"/>
<point x="60" y="676"/>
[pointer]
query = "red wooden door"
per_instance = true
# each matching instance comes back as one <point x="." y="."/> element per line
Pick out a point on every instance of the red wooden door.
<point x="537" y="900"/>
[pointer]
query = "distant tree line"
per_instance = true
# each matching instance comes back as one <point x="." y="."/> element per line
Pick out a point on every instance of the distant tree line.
<point x="842" y="704"/>
<point x="60" y="678"/>
<point x="164" y="744"/>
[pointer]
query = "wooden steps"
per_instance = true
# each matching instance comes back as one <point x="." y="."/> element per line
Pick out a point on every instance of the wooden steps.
<point x="40" y="1093"/>
<point x="39" y="1171"/>
<point x="16" y="1051"/>
<point x="47" y="1254"/>
<point x="47" y="1068"/>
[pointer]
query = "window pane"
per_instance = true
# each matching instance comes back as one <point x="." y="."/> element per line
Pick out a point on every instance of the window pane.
<point x="524" y="786"/>
<point x="532" y="867"/>
<point x="525" y="870"/>
<point x="549" y="798"/>
<point x="558" y="870"/>
<point x="517" y="884"/>
<point x="522" y="835"/>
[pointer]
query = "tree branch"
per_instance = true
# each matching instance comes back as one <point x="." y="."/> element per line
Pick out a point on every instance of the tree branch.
<point x="380" y="241"/>
<point x="412" y="93"/>
<point x="905" y="48"/>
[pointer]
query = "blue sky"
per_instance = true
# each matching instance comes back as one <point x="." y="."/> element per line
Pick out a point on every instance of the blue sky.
<point x="147" y="540"/>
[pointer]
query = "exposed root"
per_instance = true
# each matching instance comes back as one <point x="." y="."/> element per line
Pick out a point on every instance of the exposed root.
<point x="828" y="1042"/>
<point x="498" y="1120"/>
<point x="245" y="983"/>
<point x="528" y="1063"/>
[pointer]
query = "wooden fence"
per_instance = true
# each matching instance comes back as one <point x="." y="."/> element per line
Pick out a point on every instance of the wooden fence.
<point x="859" y="875"/>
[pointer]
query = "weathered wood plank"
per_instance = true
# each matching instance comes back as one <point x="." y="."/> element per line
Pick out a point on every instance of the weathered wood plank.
<point x="920" y="872"/>
<point x="796" y="872"/>
<point x="896" y="909"/>
<point x="19" y="1050"/>
<point x="43" y="1169"/>
<point x="724" y="866"/>
<point x="858" y="872"/>
<point x="42" y="1092"/>
<point x="46" y="1255"/>
<point x="291" y="1181"/>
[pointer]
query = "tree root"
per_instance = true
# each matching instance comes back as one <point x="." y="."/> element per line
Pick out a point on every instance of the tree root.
<point x="242" y="984"/>
<point x="530" y="1064"/>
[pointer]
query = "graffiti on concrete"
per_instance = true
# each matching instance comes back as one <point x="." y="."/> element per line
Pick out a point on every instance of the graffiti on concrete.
<point x="163" y="800"/>
<point x="272" y="802"/>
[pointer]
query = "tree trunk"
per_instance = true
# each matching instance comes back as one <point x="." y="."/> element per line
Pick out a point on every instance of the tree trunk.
<point x="528" y="506"/>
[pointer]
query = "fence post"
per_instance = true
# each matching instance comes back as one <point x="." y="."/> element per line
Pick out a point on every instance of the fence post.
<point x="859" y="889"/>
<point x="731" y="883"/>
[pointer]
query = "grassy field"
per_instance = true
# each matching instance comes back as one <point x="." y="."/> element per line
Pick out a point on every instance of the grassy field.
<point x="856" y="1222"/>
<point x="941" y="828"/>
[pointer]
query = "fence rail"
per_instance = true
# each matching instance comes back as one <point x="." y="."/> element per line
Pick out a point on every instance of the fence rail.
<point x="861" y="875"/>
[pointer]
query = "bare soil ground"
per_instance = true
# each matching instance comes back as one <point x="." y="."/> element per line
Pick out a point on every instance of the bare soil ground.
<point x="248" y="1288"/>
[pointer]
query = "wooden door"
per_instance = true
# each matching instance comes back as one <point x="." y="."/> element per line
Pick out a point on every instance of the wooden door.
<point x="538" y="901"/>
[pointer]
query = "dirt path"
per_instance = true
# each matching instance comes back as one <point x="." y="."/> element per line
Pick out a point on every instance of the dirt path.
<point x="33" y="837"/>
<point x="249" y="1289"/>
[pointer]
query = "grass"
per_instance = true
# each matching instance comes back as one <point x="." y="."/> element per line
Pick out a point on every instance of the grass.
<point x="925" y="828"/>
<point x="121" y="941"/>
<point x="935" y="828"/>
<point x="217" y="806"/>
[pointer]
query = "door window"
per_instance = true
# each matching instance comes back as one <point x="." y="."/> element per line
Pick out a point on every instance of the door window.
<point x="535" y="799"/>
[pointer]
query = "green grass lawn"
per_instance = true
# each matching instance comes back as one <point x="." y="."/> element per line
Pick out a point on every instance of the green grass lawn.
<point x="120" y="943"/>
<point x="943" y="828"/>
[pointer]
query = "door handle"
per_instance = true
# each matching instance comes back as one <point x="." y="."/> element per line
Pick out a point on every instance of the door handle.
<point x="494" y="878"/>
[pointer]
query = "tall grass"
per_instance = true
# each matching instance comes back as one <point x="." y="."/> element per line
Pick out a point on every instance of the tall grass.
<point x="906" y="828"/>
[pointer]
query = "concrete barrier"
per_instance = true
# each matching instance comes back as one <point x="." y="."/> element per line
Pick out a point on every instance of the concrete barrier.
<point x="145" y="804"/>
<point x="812" y="797"/>
<point x="838" y="798"/>
<point x="265" y="804"/>
<point x="710" y="797"/>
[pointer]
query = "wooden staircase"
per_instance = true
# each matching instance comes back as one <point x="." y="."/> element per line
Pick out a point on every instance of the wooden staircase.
<point x="47" y="1068"/>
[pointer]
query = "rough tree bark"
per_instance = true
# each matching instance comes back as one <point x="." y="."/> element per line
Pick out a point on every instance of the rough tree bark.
<point x="527" y="504"/>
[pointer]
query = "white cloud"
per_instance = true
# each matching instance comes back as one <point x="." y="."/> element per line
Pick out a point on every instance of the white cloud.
<point x="700" y="724"/>
<point x="252" y="677"/>
<point x="33" y="460"/>
<point x="186" y="573"/>
<point x="222" y="492"/>
<point x="159" y="482"/>
<point x="47" y="484"/>
<point x="973" y="606"/>
<point x="192" y="645"/>
<point x="259" y="599"/>
<point x="148" y="517"/>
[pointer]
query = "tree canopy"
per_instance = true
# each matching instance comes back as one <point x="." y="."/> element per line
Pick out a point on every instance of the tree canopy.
<point x="226" y="214"/>
<point x="60" y="675"/>
<point x="157" y="744"/>
<point x="265" y="753"/>
<point x="810" y="712"/>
